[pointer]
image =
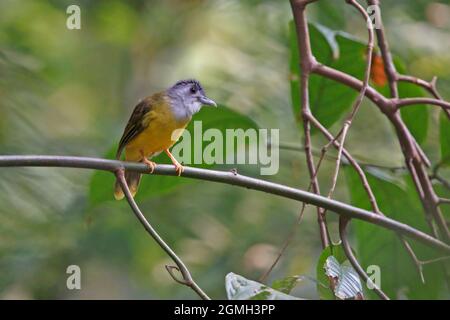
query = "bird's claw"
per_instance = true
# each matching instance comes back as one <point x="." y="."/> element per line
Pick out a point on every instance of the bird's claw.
<point x="151" y="165"/>
<point x="178" y="168"/>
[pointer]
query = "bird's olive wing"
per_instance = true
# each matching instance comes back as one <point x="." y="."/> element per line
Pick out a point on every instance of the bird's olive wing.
<point x="135" y="125"/>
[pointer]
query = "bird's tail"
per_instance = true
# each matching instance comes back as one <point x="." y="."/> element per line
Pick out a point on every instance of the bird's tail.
<point x="132" y="178"/>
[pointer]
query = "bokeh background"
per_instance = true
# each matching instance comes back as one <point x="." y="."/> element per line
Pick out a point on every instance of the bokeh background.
<point x="70" y="92"/>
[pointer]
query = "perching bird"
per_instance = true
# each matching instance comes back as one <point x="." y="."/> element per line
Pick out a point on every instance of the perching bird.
<point x="156" y="124"/>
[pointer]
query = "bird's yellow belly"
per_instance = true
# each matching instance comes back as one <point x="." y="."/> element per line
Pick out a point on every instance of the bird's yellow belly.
<point x="162" y="133"/>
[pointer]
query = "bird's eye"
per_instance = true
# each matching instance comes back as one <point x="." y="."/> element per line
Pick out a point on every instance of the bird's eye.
<point x="193" y="90"/>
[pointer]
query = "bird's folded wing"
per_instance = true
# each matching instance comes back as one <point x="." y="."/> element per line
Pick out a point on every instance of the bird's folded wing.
<point x="136" y="124"/>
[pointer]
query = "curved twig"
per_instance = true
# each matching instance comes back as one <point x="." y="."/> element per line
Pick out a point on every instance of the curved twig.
<point x="187" y="278"/>
<point x="343" y="223"/>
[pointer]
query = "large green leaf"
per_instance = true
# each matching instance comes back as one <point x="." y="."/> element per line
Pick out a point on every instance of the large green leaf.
<point x="329" y="100"/>
<point x="240" y="288"/>
<point x="445" y="139"/>
<point x="221" y="118"/>
<point x="378" y="246"/>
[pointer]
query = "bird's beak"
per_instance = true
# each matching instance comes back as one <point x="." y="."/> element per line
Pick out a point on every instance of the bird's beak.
<point x="207" y="101"/>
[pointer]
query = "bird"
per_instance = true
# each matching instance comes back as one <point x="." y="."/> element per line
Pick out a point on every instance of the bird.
<point x="155" y="124"/>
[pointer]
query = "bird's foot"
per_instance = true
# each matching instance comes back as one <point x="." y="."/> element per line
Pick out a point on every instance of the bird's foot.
<point x="178" y="168"/>
<point x="151" y="165"/>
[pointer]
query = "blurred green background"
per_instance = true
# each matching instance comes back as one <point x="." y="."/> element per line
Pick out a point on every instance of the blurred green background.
<point x="70" y="92"/>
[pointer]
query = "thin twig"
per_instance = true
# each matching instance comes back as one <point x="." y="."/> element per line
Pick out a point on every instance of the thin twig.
<point x="307" y="61"/>
<point x="347" y="124"/>
<point x="290" y="146"/>
<point x="429" y="86"/>
<point x="405" y="102"/>
<point x="440" y="259"/>
<point x="343" y="223"/>
<point x="187" y="278"/>
<point x="354" y="164"/>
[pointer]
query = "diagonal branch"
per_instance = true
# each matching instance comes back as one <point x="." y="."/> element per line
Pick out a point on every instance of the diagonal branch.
<point x="231" y="178"/>
<point x="348" y="122"/>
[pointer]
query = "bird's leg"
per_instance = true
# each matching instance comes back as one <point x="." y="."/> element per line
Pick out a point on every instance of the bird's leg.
<point x="151" y="165"/>
<point x="178" y="167"/>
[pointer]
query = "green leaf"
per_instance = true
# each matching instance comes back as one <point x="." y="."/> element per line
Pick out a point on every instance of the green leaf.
<point x="445" y="139"/>
<point x="378" y="246"/>
<point x="286" y="285"/>
<point x="221" y="118"/>
<point x="323" y="282"/>
<point x="329" y="100"/>
<point x="240" y="288"/>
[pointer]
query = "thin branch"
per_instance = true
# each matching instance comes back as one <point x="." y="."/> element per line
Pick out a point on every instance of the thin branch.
<point x="352" y="161"/>
<point x="373" y="95"/>
<point x="358" y="102"/>
<point x="231" y="178"/>
<point x="429" y="86"/>
<point x="343" y="223"/>
<point x="435" y="260"/>
<point x="404" y="102"/>
<point x="365" y="165"/>
<point x="412" y="254"/>
<point x="187" y="278"/>
<point x="307" y="61"/>
<point x="383" y="44"/>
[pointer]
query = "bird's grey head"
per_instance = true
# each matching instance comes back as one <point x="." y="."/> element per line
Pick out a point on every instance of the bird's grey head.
<point x="187" y="97"/>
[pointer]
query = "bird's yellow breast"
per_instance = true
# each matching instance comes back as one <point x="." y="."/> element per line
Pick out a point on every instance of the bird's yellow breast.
<point x="161" y="132"/>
